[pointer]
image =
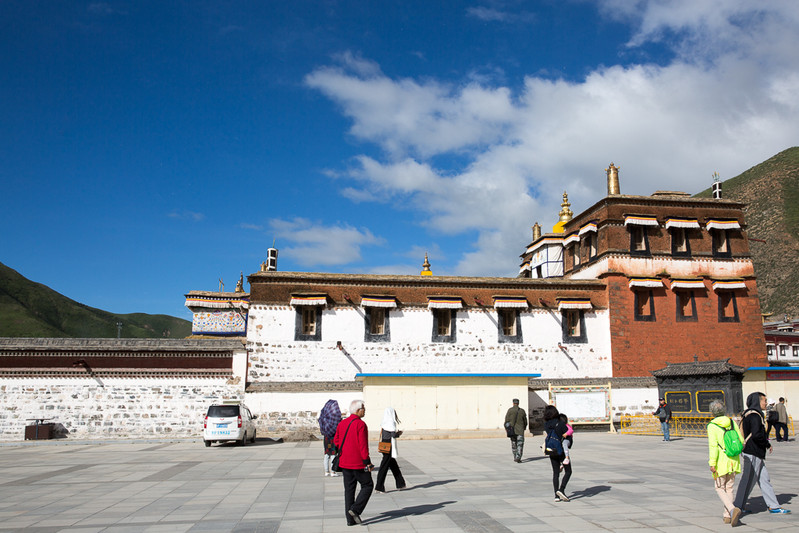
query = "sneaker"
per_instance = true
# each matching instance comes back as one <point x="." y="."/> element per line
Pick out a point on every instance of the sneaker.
<point x="566" y="461"/>
<point x="735" y="516"/>
<point x="779" y="510"/>
<point x="517" y="460"/>
<point x="355" y="516"/>
<point x="378" y="491"/>
<point x="562" y="496"/>
<point x="557" y="499"/>
<point x="334" y="474"/>
<point x="726" y="520"/>
<point x="327" y="474"/>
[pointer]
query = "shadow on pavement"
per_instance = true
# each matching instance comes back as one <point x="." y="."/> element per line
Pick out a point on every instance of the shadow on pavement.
<point x="431" y="484"/>
<point x="537" y="458"/>
<point x="590" y="491"/>
<point x="407" y="511"/>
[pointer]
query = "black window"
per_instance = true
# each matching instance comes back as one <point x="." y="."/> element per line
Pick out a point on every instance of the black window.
<point x="508" y="325"/>
<point x="573" y="325"/>
<point x="376" y="325"/>
<point x="308" y="323"/>
<point x="686" y="306"/>
<point x="443" y="325"/>
<point x="680" y="245"/>
<point x="644" y="305"/>
<point x="728" y="307"/>
<point x="639" y="241"/>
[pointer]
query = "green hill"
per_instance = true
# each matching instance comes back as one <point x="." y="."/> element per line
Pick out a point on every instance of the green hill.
<point x="30" y="309"/>
<point x="771" y="192"/>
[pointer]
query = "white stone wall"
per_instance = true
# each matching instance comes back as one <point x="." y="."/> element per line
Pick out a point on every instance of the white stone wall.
<point x="104" y="408"/>
<point x="276" y="356"/>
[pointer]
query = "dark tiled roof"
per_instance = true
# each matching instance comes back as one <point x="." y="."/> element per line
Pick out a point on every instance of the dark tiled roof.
<point x="119" y="345"/>
<point x="699" y="368"/>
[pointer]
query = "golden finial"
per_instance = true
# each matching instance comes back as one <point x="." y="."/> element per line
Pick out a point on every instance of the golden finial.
<point x="536" y="231"/>
<point x="426" y="267"/>
<point x="263" y="266"/>
<point x="565" y="214"/>
<point x="240" y="283"/>
<point x="613" y="179"/>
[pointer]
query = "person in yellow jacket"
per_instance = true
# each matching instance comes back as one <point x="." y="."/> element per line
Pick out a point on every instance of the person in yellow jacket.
<point x="723" y="467"/>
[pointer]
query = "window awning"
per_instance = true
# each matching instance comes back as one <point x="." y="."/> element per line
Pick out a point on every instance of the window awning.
<point x="687" y="283"/>
<point x="573" y="237"/>
<point x="678" y="222"/>
<point x="525" y="266"/>
<point x="217" y="303"/>
<point x="645" y="282"/>
<point x="547" y="241"/>
<point x="591" y="226"/>
<point x="574" y="303"/>
<point x="510" y="302"/>
<point x="444" y="302"/>
<point x="716" y="223"/>
<point x="640" y="220"/>
<point x="309" y="299"/>
<point x="388" y="302"/>
<point x="728" y="284"/>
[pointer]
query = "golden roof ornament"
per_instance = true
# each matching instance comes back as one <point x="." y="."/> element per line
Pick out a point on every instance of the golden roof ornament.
<point x="426" y="267"/>
<point x="536" y="231"/>
<point x="613" y="179"/>
<point x="565" y="214"/>
<point x="240" y="283"/>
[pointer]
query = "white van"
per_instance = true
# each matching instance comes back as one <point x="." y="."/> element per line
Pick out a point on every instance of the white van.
<point x="229" y="421"/>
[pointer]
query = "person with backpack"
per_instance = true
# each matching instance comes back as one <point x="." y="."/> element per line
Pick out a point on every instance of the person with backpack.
<point x="663" y="412"/>
<point x="515" y="424"/>
<point x="725" y="443"/>
<point x="753" y="426"/>
<point x="554" y="430"/>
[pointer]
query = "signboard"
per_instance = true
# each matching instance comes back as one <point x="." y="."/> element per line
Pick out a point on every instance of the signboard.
<point x="679" y="401"/>
<point x="705" y="397"/>
<point x="583" y="405"/>
<point x="781" y="376"/>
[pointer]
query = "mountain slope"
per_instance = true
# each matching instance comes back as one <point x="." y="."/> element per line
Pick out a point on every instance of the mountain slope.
<point x="30" y="309"/>
<point x="771" y="192"/>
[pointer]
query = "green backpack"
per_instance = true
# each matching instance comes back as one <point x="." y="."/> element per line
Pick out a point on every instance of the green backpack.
<point x="732" y="441"/>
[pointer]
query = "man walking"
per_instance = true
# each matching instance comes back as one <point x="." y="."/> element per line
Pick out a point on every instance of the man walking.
<point x="352" y="438"/>
<point x="782" y="421"/>
<point x="516" y="418"/>
<point x="663" y="412"/>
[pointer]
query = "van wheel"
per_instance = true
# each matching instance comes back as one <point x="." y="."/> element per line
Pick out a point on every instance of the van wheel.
<point x="243" y="441"/>
<point x="207" y="443"/>
<point x="253" y="436"/>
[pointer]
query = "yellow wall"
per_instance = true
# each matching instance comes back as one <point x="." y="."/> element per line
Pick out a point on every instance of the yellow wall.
<point x="443" y="403"/>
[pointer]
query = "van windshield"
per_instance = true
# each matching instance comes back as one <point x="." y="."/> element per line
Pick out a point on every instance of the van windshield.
<point x="223" y="411"/>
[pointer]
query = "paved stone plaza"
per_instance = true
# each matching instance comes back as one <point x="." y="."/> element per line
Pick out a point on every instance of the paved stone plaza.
<point x="619" y="483"/>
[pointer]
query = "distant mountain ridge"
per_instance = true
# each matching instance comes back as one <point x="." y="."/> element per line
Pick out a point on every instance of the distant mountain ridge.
<point x="771" y="192"/>
<point x="30" y="309"/>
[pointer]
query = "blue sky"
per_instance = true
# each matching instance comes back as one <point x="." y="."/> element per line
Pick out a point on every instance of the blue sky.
<point x="151" y="148"/>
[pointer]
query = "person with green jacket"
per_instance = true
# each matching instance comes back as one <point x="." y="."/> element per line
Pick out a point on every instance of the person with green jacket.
<point x="723" y="467"/>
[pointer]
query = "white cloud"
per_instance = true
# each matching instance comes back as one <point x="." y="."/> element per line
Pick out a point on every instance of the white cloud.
<point x="191" y="216"/>
<point x="727" y="101"/>
<point x="314" y="244"/>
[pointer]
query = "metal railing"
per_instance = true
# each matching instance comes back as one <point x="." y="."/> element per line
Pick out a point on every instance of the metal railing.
<point x="680" y="426"/>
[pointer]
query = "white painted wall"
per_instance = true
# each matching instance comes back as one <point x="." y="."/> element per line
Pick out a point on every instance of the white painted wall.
<point x="275" y="356"/>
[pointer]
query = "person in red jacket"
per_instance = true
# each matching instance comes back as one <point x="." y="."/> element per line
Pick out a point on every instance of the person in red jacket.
<point x="352" y="439"/>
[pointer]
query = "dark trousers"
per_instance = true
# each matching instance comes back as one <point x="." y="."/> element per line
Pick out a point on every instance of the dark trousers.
<point x="387" y="463"/>
<point x="557" y="483"/>
<point x="781" y="429"/>
<point x="351" y="479"/>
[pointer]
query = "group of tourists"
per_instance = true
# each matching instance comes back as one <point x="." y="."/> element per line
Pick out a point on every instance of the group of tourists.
<point x="733" y="449"/>
<point x="558" y="440"/>
<point x="741" y="449"/>
<point x="346" y="446"/>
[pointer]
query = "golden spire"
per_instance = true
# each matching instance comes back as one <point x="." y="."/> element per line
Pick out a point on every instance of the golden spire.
<point x="613" y="179"/>
<point x="565" y="214"/>
<point x="536" y="231"/>
<point x="240" y="283"/>
<point x="426" y="267"/>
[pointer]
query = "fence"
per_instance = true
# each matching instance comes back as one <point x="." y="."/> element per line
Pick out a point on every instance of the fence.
<point x="680" y="426"/>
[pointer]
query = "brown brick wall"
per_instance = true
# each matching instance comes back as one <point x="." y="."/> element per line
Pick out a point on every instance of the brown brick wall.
<point x="639" y="347"/>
